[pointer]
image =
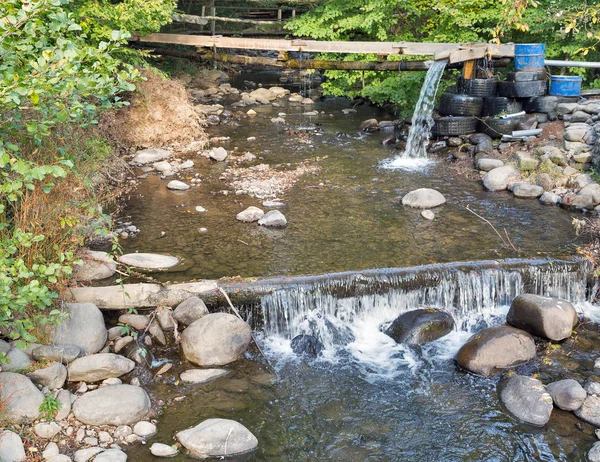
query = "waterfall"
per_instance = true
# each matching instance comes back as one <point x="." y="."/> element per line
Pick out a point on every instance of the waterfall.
<point x="422" y="119"/>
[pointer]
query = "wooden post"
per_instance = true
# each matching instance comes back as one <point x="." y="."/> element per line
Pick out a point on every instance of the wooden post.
<point x="469" y="69"/>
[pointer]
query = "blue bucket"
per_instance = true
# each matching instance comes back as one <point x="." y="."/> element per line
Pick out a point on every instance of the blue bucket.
<point x="565" y="85"/>
<point x="529" y="56"/>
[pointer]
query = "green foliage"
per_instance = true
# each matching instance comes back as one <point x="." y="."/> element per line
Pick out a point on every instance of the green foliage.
<point x="50" y="406"/>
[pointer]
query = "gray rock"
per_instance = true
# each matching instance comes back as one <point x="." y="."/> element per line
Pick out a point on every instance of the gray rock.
<point x="65" y="399"/>
<point x="84" y="455"/>
<point x="18" y="360"/>
<point x="215" y="340"/>
<point x="593" y="454"/>
<point x="60" y="353"/>
<point x="593" y="191"/>
<point x="592" y="387"/>
<point x="549" y="198"/>
<point x="164" y="315"/>
<point x="527" y="191"/>
<point x="53" y="376"/>
<point x="163" y="450"/>
<point x="11" y="447"/>
<point x="527" y="399"/>
<point x="144" y="429"/>
<point x="579" y="116"/>
<point x="202" y="375"/>
<point x="111" y="455"/>
<point x="428" y="214"/>
<point x="498" y="179"/>
<point x="566" y="108"/>
<point x="60" y="458"/>
<point x="485" y="146"/>
<point x="190" y="310"/>
<point x="250" y="215"/>
<point x="176" y="185"/>
<point x="420" y="326"/>
<point x="122" y="432"/>
<point x="567" y="394"/>
<point x="558" y="157"/>
<point x="112" y="405"/>
<point x="582" y="180"/>
<point x="545" y="181"/>
<point x="156" y="332"/>
<point x="583" y="157"/>
<point x="526" y="161"/>
<point x="576" y="132"/>
<point x="149" y="260"/>
<point x="96" y="266"/>
<point x="548" y="317"/>
<point x="219" y="154"/>
<point x="84" y="327"/>
<point x="273" y="219"/>
<point x="575" y="147"/>
<point x="423" y="198"/>
<point x="486" y="164"/>
<point x="495" y="348"/>
<point x="148" y="156"/>
<point x="454" y="142"/>
<point x="590" y="410"/>
<point x="46" y="430"/>
<point x="95" y="368"/>
<point x="122" y="343"/>
<point x="20" y="398"/>
<point x="137" y="321"/>
<point x="50" y="451"/>
<point x="217" y="438"/>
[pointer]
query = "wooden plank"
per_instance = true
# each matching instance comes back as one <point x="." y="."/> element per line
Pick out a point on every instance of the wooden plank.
<point x="459" y="56"/>
<point x="469" y="69"/>
<point x="314" y="46"/>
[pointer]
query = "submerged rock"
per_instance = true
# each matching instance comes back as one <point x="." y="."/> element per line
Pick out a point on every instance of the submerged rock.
<point x="420" y="326"/>
<point x="567" y="394"/>
<point x="217" y="438"/>
<point x="148" y="156"/>
<point x="590" y="410"/>
<point x="423" y="198"/>
<point x="495" y="348"/>
<point x="149" y="260"/>
<point x="202" y="375"/>
<point x="548" y="317"/>
<point x="306" y="345"/>
<point x="527" y="399"/>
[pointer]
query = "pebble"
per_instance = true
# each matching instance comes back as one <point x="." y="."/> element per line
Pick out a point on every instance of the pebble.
<point x="163" y="450"/>
<point x="428" y="214"/>
<point x="200" y="209"/>
<point x="144" y="429"/>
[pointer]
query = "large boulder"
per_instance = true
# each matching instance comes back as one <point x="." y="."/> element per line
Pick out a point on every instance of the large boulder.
<point x="527" y="399"/>
<point x="567" y="394"/>
<point x="423" y="198"/>
<point x="495" y="348"/>
<point x="20" y="398"/>
<point x="498" y="179"/>
<point x="83" y="327"/>
<point x="552" y="318"/>
<point x="215" y="340"/>
<point x="217" y="438"/>
<point x="420" y="326"/>
<point x="112" y="405"/>
<point x="190" y="310"/>
<point x="98" y="367"/>
<point x="11" y="447"/>
<point x="590" y="410"/>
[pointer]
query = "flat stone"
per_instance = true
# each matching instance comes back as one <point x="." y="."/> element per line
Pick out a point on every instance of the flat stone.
<point x="217" y="438"/>
<point x="149" y="260"/>
<point x="190" y="310"/>
<point x="112" y="405"/>
<point x="566" y="108"/>
<point x="202" y="375"/>
<point x="177" y="185"/>
<point x="122" y="343"/>
<point x="84" y="327"/>
<point x="148" y="156"/>
<point x="423" y="198"/>
<point x="567" y="394"/>
<point x="94" y="368"/>
<point x="498" y="179"/>
<point x="164" y="315"/>
<point x="527" y="399"/>
<point x="60" y="353"/>
<point x="273" y="219"/>
<point x="219" y="154"/>
<point x="250" y="214"/>
<point x="53" y="376"/>
<point x="11" y="447"/>
<point x="144" y="429"/>
<point x="163" y="450"/>
<point x="527" y="191"/>
<point x="20" y="398"/>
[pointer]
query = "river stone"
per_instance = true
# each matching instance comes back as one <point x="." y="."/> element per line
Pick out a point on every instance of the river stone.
<point x="190" y="310"/>
<point x="527" y="191"/>
<point x="527" y="399"/>
<point x="18" y="360"/>
<point x="593" y="454"/>
<point x="11" y="447"/>
<point x="566" y="108"/>
<point x="420" y="326"/>
<point x="485" y="147"/>
<point x="215" y="340"/>
<point x="526" y="161"/>
<point x="583" y="157"/>
<point x="552" y="318"/>
<point x="176" y="185"/>
<point x="273" y="219"/>
<point x="60" y="353"/>
<point x="250" y="214"/>
<point x="202" y="375"/>
<point x="498" y="179"/>
<point x="59" y="458"/>
<point x="495" y="348"/>
<point x="306" y="345"/>
<point x="144" y="429"/>
<point x="591" y="190"/>
<point x="549" y="198"/>
<point x="545" y="181"/>
<point x="567" y="394"/>
<point x="423" y="198"/>
<point x="53" y="376"/>
<point x="559" y="158"/>
<point x="428" y="215"/>
<point x="369" y="125"/>
<point x="95" y="368"/>
<point x="111" y="455"/>
<point x="164" y="315"/>
<point x="163" y="450"/>
<point x="577" y="202"/>
<point x="149" y="260"/>
<point x="112" y="405"/>
<point x="84" y="455"/>
<point x="148" y="156"/>
<point x="64" y="397"/>
<point x="46" y="430"/>
<point x="96" y="266"/>
<point x="576" y="132"/>
<point x="217" y="438"/>
<point x="137" y="321"/>
<point x="488" y="164"/>
<point x="84" y="327"/>
<point x="50" y="451"/>
<point x="20" y="398"/>
<point x="219" y="154"/>
<point x="590" y="410"/>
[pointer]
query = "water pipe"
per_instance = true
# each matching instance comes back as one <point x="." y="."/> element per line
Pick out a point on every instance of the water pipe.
<point x="558" y="63"/>
<point x="516" y="114"/>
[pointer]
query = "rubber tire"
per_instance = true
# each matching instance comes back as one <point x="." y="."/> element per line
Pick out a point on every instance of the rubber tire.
<point x="460" y="105"/>
<point x="494" y="105"/>
<point x="452" y="126"/>
<point x="523" y="89"/>
<point x="495" y="128"/>
<point x="526" y="76"/>
<point x="477" y="87"/>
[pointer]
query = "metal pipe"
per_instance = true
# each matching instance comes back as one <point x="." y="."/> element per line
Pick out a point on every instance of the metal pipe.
<point x="558" y="63"/>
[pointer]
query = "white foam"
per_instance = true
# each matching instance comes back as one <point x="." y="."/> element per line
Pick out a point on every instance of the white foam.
<point x="407" y="163"/>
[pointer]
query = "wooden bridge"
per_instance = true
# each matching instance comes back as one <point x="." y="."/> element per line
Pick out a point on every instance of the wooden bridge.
<point x="207" y="45"/>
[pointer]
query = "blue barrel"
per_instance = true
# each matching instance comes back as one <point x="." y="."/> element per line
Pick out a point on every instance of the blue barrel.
<point x="565" y="85"/>
<point x="529" y="56"/>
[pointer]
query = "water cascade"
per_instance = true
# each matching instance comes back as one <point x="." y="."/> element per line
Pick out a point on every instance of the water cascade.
<point x="422" y="119"/>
